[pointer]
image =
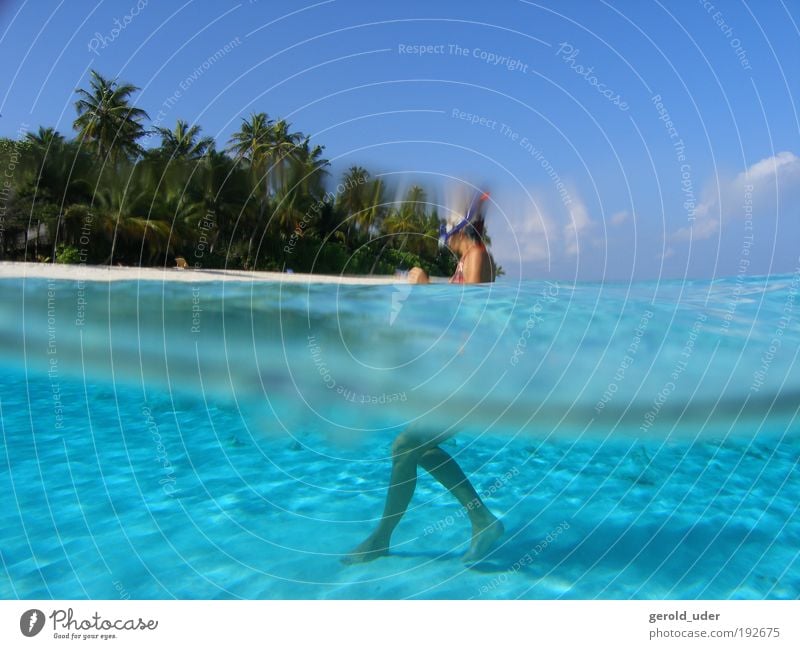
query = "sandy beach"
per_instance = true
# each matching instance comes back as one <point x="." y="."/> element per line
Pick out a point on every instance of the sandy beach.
<point x="33" y="270"/>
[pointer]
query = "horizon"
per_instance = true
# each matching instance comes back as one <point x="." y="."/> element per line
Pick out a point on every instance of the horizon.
<point x="685" y="165"/>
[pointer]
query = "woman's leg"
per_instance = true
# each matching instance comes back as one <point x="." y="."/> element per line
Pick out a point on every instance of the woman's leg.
<point x="406" y="452"/>
<point x="486" y="528"/>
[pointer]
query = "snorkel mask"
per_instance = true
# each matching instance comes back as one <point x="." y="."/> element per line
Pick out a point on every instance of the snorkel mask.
<point x="472" y="212"/>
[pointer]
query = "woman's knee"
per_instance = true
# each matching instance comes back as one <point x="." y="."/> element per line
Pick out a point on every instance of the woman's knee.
<point x="407" y="446"/>
<point x="433" y="458"/>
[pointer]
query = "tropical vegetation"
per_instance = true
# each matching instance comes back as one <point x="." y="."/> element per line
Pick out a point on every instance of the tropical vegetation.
<point x="260" y="202"/>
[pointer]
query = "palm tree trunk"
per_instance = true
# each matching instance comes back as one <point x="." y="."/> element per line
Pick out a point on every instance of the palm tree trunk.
<point x="380" y="254"/>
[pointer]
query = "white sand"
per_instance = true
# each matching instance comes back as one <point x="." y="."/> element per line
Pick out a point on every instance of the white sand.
<point x="118" y="273"/>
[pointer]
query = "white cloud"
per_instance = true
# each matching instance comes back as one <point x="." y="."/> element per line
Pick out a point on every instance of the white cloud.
<point x="618" y="218"/>
<point x="578" y="224"/>
<point x="702" y="228"/>
<point x="543" y="230"/>
<point x="532" y="230"/>
<point x="765" y="169"/>
<point x="770" y="179"/>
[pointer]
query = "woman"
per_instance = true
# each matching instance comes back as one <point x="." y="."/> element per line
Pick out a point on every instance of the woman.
<point x="413" y="447"/>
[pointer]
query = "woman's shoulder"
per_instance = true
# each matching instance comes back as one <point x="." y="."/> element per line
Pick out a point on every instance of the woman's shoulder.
<point x="478" y="261"/>
<point x="477" y="252"/>
<point x="478" y="255"/>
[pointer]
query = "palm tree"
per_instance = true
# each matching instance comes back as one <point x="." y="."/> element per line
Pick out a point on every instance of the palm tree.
<point x="223" y="185"/>
<point x="429" y="244"/>
<point x="59" y="174"/>
<point x="402" y="221"/>
<point x="303" y="188"/>
<point x="283" y="151"/>
<point x="407" y="219"/>
<point x="184" y="141"/>
<point x="416" y="201"/>
<point x="309" y="169"/>
<point x="252" y="141"/>
<point x="44" y="138"/>
<point x="376" y="208"/>
<point x="123" y="215"/>
<point x="176" y="209"/>
<point x="354" y="199"/>
<point x="58" y="170"/>
<point x="107" y="121"/>
<point x="252" y="144"/>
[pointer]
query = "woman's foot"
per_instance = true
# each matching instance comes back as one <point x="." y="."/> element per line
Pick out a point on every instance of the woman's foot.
<point x="483" y="539"/>
<point x="371" y="549"/>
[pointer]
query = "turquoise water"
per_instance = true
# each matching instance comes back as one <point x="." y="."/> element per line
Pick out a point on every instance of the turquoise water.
<point x="231" y="440"/>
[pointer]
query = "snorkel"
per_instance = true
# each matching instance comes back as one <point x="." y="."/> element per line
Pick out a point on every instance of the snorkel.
<point x="472" y="212"/>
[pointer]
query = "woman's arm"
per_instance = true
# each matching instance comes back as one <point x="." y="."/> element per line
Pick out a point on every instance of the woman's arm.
<point x="418" y="276"/>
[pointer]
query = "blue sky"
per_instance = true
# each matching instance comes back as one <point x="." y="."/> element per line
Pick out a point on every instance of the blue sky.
<point x="570" y="103"/>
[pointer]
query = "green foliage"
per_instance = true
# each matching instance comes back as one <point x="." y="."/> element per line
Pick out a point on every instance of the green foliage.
<point x="107" y="123"/>
<point x="67" y="254"/>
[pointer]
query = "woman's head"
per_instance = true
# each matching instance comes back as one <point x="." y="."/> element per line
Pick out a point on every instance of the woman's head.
<point x="461" y="232"/>
<point x="474" y="229"/>
<point x="467" y="236"/>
